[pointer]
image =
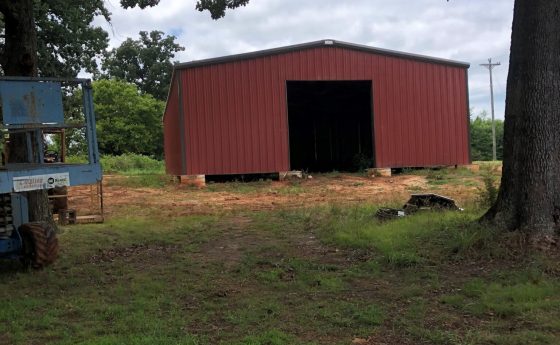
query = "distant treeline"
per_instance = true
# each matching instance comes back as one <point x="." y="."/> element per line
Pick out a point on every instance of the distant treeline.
<point x="481" y="138"/>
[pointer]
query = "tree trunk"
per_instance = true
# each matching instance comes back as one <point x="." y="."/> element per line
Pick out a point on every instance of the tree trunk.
<point x="20" y="52"/>
<point x="19" y="58"/>
<point x="529" y="197"/>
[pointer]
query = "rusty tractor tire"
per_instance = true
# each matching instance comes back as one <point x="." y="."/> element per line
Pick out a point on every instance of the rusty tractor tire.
<point x="40" y="244"/>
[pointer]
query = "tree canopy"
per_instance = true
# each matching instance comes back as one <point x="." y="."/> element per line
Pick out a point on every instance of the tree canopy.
<point x="127" y="121"/>
<point x="146" y="62"/>
<point x="66" y="40"/>
<point x="217" y="8"/>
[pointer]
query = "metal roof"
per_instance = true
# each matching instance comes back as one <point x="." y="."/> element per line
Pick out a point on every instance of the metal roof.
<point x="317" y="44"/>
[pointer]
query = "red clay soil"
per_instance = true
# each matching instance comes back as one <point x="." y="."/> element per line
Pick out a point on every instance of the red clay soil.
<point x="180" y="200"/>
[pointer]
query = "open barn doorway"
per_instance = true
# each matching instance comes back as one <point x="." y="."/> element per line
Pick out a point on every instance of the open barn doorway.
<point x="330" y="125"/>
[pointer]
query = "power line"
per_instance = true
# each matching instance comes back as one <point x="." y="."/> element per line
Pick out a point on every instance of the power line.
<point x="490" y="67"/>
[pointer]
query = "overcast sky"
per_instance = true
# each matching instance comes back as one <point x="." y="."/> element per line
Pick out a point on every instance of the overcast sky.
<point x="465" y="30"/>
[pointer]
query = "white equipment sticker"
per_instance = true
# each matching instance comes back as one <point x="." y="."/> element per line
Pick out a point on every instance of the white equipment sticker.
<point x="34" y="182"/>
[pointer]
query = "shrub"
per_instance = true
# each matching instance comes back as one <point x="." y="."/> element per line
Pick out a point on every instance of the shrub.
<point x="130" y="163"/>
<point x="488" y="194"/>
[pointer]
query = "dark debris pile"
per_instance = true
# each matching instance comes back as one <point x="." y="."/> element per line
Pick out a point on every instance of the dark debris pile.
<point x="419" y="202"/>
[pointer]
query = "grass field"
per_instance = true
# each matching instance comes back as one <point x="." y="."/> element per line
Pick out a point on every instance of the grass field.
<point x="318" y="273"/>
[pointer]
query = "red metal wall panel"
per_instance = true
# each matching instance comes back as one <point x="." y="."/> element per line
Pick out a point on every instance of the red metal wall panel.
<point x="236" y="117"/>
<point x="171" y="135"/>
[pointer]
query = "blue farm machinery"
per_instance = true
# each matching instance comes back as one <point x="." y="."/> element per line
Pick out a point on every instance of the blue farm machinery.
<point x="31" y="110"/>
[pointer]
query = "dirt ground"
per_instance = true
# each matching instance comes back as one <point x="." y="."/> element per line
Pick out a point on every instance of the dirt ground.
<point x="181" y="200"/>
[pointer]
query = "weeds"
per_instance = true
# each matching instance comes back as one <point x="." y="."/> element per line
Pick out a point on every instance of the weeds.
<point x="435" y="175"/>
<point x="489" y="193"/>
<point x="131" y="164"/>
<point x="403" y="242"/>
<point x="128" y="163"/>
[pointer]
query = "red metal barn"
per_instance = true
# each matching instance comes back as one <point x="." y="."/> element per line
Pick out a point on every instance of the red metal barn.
<point x="320" y="106"/>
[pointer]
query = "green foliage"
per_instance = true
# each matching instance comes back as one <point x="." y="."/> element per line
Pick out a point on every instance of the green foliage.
<point x="131" y="164"/>
<point x="139" y="3"/>
<point x="67" y="39"/>
<point x="488" y="194"/>
<point x="481" y="138"/>
<point x="407" y="241"/>
<point x="134" y="171"/>
<point x="145" y="62"/>
<point x="127" y="121"/>
<point x="218" y="8"/>
<point x="75" y="138"/>
<point x="130" y="170"/>
<point x="76" y="159"/>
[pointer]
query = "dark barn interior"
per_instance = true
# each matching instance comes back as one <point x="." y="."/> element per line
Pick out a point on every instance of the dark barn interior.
<point x="330" y="125"/>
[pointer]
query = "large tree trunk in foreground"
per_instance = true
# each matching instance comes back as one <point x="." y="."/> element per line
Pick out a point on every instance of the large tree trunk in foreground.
<point x="529" y="197"/>
<point x="19" y="58"/>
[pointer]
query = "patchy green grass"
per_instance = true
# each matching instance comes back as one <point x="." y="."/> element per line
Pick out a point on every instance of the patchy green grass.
<point x="293" y="188"/>
<point x="318" y="275"/>
<point x="265" y="185"/>
<point x="492" y="164"/>
<point x="508" y="299"/>
<point x="423" y="238"/>
<point x="138" y="181"/>
<point x="446" y="176"/>
<point x="528" y="306"/>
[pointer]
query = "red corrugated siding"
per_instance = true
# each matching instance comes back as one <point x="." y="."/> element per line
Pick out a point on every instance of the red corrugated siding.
<point x="171" y="134"/>
<point x="236" y="118"/>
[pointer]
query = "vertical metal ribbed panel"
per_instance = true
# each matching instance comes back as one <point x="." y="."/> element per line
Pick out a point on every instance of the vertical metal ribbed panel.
<point x="236" y="122"/>
<point x="171" y="134"/>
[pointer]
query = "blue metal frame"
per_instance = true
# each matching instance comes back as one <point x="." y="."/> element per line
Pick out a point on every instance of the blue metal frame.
<point x="20" y="211"/>
<point x="79" y="174"/>
<point x="31" y="102"/>
<point x="11" y="247"/>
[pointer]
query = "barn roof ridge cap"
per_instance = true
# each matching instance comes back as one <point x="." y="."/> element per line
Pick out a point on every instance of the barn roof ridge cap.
<point x="315" y="44"/>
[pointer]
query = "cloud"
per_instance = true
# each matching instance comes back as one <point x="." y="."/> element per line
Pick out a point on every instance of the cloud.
<point x="469" y="31"/>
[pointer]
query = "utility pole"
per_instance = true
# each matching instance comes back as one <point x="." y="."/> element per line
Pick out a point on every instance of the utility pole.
<point x="490" y="67"/>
